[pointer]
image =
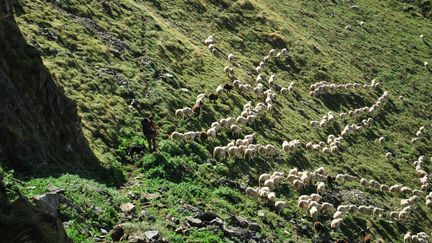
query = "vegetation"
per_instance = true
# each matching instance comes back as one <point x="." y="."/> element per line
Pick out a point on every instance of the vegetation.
<point x="107" y="53"/>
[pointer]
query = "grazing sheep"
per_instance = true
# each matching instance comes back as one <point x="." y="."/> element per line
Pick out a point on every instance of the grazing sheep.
<point x="381" y="140"/>
<point x="335" y="223"/>
<point x="177" y="136"/>
<point x="318" y="226"/>
<point x="313" y="212"/>
<point x="228" y="87"/>
<point x="197" y="108"/>
<point x="228" y="70"/>
<point x="321" y="188"/>
<point x="328" y="208"/>
<point x="213" y="97"/>
<point x="298" y="184"/>
<point x="219" y="152"/>
<point x="235" y="130"/>
<point x="389" y="156"/>
<point x="179" y="113"/>
<point x="252" y="191"/>
<point x="280" y="205"/>
<point x="231" y="57"/>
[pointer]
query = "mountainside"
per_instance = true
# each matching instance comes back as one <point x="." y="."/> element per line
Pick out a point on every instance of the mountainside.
<point x="77" y="78"/>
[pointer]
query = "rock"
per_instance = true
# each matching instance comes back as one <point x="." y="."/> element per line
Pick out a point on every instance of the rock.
<point x="103" y="231"/>
<point x="194" y="222"/>
<point x="137" y="239"/>
<point x="207" y="216"/>
<point x="49" y="203"/>
<point x="182" y="230"/>
<point x="152" y="196"/>
<point x="217" y="221"/>
<point x="152" y="235"/>
<point x="146" y="215"/>
<point x="243" y="223"/>
<point x="55" y="189"/>
<point x="127" y="207"/>
<point x="117" y="233"/>
<point x="188" y="207"/>
<point x="238" y="233"/>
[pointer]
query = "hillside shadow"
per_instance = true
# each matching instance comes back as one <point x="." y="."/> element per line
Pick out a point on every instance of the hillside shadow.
<point x="40" y="130"/>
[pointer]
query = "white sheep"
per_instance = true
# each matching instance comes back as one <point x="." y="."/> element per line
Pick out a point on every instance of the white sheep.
<point x="235" y="129"/>
<point x="321" y="188"/>
<point x="335" y="223"/>
<point x="313" y="212"/>
<point x="219" y="152"/>
<point x="231" y="57"/>
<point x="252" y="191"/>
<point x="280" y="205"/>
<point x="328" y="208"/>
<point x="177" y="136"/>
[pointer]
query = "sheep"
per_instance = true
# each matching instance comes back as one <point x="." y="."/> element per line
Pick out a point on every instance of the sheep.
<point x="212" y="132"/>
<point x="249" y="154"/>
<point x="231" y="57"/>
<point x="271" y="197"/>
<point x="228" y="70"/>
<point x="395" y="188"/>
<point x="315" y="197"/>
<point x="236" y="83"/>
<point x="303" y="204"/>
<point x="269" y="183"/>
<point x="328" y="208"/>
<point x="177" y="136"/>
<point x="298" y="184"/>
<point x="313" y="212"/>
<point x="228" y="87"/>
<point x="389" y="156"/>
<point x="190" y="135"/>
<point x="226" y="122"/>
<point x="425" y="64"/>
<point x="280" y="205"/>
<point x="272" y="52"/>
<point x="364" y="209"/>
<point x="213" y="97"/>
<point x="252" y="191"/>
<point x="338" y="215"/>
<point x="381" y="140"/>
<point x="378" y="212"/>
<point x="384" y="188"/>
<point x="233" y="151"/>
<point x="340" y="178"/>
<point x="259" y="78"/>
<point x="343" y="208"/>
<point x="321" y="188"/>
<point x="318" y="226"/>
<point x="196" y="108"/>
<point x="335" y="223"/>
<point x="235" y="130"/>
<point x="219" y="152"/>
<point x="179" y="113"/>
<point x="241" y="120"/>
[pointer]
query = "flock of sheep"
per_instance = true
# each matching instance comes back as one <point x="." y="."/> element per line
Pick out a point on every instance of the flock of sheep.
<point x="247" y="148"/>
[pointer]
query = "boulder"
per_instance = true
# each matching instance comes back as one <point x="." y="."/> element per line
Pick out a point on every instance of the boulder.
<point x="127" y="207"/>
<point x="152" y="235"/>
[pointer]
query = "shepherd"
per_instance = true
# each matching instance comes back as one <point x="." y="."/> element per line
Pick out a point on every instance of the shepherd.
<point x="150" y="131"/>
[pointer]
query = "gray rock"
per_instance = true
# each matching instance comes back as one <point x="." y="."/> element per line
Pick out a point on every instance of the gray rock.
<point x="49" y="203"/>
<point x="152" y="235"/>
<point x="137" y="239"/>
<point x="194" y="222"/>
<point x="127" y="207"/>
<point x="117" y="233"/>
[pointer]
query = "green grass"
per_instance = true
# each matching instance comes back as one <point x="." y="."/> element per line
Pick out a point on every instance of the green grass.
<point x="166" y="37"/>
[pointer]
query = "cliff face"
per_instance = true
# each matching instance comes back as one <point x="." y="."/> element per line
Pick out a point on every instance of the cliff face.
<point x="39" y="125"/>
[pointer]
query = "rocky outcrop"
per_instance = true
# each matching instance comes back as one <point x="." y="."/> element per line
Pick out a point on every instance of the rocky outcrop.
<point x="40" y="125"/>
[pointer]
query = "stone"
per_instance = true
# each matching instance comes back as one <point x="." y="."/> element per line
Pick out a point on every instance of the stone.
<point x="216" y="221"/>
<point x="207" y="216"/>
<point x="55" y="189"/>
<point x="137" y="239"/>
<point x="49" y="203"/>
<point x="117" y="233"/>
<point x="194" y="222"/>
<point x="127" y="207"/>
<point x="152" y="235"/>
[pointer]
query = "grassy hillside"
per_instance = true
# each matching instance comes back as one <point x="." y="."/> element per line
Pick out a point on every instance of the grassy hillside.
<point x="105" y="54"/>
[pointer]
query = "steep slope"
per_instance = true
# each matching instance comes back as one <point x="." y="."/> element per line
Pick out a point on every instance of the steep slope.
<point x="107" y="54"/>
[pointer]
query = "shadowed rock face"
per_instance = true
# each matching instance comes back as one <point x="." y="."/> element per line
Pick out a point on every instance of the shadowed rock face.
<point x="39" y="125"/>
